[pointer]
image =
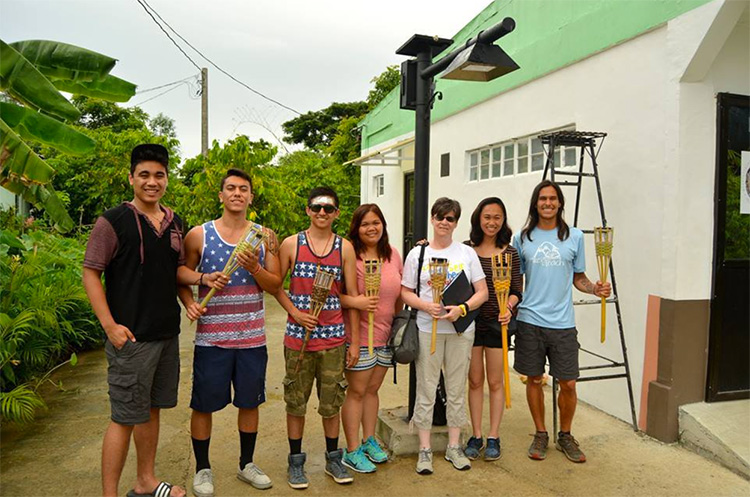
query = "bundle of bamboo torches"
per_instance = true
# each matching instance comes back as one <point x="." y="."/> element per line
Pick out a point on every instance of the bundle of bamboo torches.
<point x="250" y="241"/>
<point x="603" y="242"/>
<point x="438" y="275"/>
<point x="501" y="277"/>
<point x="373" y="268"/>
<point x="321" y="288"/>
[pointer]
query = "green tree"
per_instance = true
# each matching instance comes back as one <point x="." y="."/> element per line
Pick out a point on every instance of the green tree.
<point x="384" y="83"/>
<point x="32" y="74"/>
<point x="316" y="129"/>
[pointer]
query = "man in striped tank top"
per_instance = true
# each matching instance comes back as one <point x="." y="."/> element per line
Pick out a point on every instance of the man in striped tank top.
<point x="230" y="340"/>
<point x="325" y="353"/>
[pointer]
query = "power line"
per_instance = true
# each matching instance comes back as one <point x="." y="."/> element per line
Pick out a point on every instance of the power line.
<point x="168" y="84"/>
<point x="168" y="36"/>
<point x="168" y="90"/>
<point x="210" y="61"/>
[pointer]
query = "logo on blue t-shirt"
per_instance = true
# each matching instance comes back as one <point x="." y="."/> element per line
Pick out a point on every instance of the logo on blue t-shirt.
<point x="547" y="255"/>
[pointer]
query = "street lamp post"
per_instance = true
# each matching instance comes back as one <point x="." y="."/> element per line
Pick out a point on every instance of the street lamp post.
<point x="477" y="60"/>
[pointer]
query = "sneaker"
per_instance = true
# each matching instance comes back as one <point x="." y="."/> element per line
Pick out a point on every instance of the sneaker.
<point x="296" y="476"/>
<point x="203" y="483"/>
<point x="253" y="475"/>
<point x="455" y="455"/>
<point x="474" y="447"/>
<point x="374" y="451"/>
<point x="357" y="461"/>
<point x="492" y="452"/>
<point x="335" y="468"/>
<point x="538" y="448"/>
<point x="424" y="463"/>
<point x="569" y="446"/>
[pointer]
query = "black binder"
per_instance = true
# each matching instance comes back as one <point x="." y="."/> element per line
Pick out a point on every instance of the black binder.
<point x="458" y="292"/>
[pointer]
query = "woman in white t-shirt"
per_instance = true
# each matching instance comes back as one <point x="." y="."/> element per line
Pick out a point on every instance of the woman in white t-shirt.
<point x="453" y="350"/>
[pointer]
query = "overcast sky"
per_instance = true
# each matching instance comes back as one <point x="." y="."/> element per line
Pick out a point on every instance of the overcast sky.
<point x="305" y="54"/>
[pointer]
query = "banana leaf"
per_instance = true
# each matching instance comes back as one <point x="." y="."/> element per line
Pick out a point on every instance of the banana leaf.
<point x="43" y="198"/>
<point x="63" y="61"/>
<point x="32" y="125"/>
<point x="111" y="88"/>
<point x="26" y="84"/>
<point x="18" y="162"/>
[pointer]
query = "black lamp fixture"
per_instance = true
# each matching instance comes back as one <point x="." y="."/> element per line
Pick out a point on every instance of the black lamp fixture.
<point x="480" y="62"/>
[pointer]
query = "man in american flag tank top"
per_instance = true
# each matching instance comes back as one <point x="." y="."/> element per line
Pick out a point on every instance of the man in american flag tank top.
<point x="325" y="354"/>
<point x="230" y="339"/>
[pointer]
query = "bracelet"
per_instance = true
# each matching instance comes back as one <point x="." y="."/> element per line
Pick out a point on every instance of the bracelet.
<point x="257" y="269"/>
<point x="464" y="309"/>
<point x="200" y="281"/>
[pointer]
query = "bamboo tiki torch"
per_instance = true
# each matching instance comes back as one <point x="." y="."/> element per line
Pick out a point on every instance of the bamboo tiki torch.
<point x="250" y="240"/>
<point x="438" y="274"/>
<point x="373" y="268"/>
<point x="321" y="288"/>
<point x="501" y="276"/>
<point x="603" y="241"/>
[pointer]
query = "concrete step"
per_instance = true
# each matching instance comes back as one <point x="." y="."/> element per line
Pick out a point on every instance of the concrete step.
<point x="718" y="431"/>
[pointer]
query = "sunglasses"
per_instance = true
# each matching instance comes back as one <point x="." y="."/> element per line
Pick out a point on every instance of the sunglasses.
<point x="450" y="219"/>
<point x="328" y="208"/>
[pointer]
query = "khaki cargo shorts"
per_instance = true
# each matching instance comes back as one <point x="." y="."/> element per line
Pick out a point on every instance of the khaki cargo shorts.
<point x="326" y="369"/>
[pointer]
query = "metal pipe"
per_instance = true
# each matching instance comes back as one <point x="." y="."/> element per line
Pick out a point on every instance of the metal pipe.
<point x="487" y="36"/>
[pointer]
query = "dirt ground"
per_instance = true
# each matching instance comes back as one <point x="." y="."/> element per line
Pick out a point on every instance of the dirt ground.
<point x="60" y="453"/>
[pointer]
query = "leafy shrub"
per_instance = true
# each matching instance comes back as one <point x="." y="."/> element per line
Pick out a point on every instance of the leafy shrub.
<point x="44" y="315"/>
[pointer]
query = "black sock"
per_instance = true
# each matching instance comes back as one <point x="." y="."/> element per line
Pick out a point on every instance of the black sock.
<point x="561" y="433"/>
<point x="295" y="445"/>
<point x="200" y="449"/>
<point x="247" y="447"/>
<point x="332" y="444"/>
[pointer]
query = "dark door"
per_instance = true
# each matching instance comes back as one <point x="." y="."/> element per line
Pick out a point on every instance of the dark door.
<point x="729" y="336"/>
<point x="408" y="213"/>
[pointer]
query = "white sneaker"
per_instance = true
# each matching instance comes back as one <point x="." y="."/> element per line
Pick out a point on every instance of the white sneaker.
<point x="456" y="456"/>
<point x="253" y="475"/>
<point x="203" y="483"/>
<point x="424" y="463"/>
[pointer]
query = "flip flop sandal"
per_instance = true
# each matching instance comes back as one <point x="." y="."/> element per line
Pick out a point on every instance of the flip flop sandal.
<point x="162" y="490"/>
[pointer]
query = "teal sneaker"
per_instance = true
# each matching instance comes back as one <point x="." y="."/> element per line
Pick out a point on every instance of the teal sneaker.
<point x="374" y="451"/>
<point x="357" y="461"/>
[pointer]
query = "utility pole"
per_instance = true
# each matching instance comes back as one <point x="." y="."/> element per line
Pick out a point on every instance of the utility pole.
<point x="204" y="112"/>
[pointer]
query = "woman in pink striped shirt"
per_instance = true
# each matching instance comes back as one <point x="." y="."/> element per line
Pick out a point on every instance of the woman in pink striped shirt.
<point x="369" y="237"/>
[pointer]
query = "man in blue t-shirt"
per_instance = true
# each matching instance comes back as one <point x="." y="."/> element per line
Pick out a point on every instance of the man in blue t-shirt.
<point x="552" y="260"/>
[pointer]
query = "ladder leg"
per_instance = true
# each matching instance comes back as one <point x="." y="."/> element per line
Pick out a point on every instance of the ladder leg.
<point x="554" y="409"/>
<point x="624" y="347"/>
<point x="578" y="189"/>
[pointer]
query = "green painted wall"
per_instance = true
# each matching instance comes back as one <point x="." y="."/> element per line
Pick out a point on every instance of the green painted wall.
<point x="549" y="35"/>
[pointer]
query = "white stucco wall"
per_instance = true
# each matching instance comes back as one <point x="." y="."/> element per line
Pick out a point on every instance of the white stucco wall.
<point x="657" y="166"/>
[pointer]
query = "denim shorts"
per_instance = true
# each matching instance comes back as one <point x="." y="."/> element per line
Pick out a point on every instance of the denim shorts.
<point x="381" y="356"/>
<point x="142" y="376"/>
<point x="534" y="344"/>
<point x="216" y="370"/>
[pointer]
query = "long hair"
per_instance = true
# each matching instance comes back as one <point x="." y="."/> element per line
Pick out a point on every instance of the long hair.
<point x="384" y="247"/>
<point x="477" y="235"/>
<point x="533" y="220"/>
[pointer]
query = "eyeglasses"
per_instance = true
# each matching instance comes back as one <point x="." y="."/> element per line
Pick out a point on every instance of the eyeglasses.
<point x="328" y="208"/>
<point x="450" y="219"/>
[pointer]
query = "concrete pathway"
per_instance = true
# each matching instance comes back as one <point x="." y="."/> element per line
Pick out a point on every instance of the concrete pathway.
<point x="60" y="453"/>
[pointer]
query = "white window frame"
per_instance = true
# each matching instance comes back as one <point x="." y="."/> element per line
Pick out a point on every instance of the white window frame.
<point x="504" y="159"/>
<point x="378" y="185"/>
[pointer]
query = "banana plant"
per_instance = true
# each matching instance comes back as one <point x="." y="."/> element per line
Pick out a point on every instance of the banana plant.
<point x="32" y="75"/>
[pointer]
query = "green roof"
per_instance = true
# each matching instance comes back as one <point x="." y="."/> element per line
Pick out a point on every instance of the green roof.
<point x="549" y="35"/>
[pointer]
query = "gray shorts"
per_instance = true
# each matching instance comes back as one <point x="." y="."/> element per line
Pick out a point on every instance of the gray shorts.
<point x="141" y="376"/>
<point x="534" y="344"/>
